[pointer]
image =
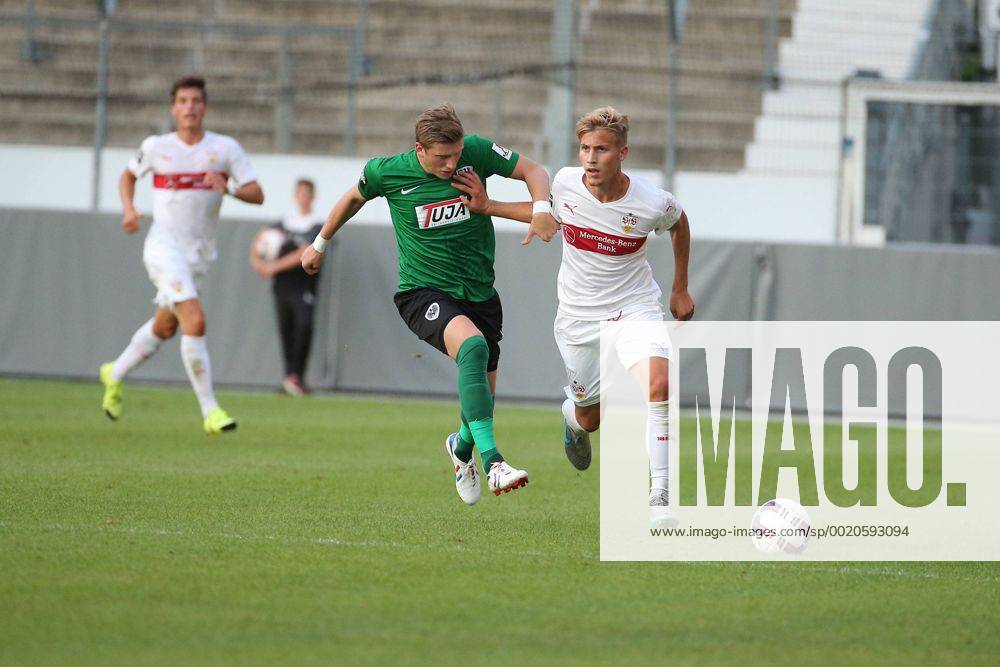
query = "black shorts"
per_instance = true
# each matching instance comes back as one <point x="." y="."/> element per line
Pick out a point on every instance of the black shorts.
<point x="427" y="312"/>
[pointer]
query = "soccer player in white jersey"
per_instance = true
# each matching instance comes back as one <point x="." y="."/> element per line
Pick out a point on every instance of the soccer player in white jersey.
<point x="606" y="216"/>
<point x="192" y="170"/>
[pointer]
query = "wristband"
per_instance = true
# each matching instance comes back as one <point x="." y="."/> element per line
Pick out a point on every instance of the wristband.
<point x="231" y="189"/>
<point x="319" y="245"/>
<point x="541" y="207"/>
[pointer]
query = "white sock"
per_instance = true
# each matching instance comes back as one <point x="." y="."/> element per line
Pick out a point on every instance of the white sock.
<point x="657" y="443"/>
<point x="194" y="352"/>
<point x="144" y="343"/>
<point x="569" y="412"/>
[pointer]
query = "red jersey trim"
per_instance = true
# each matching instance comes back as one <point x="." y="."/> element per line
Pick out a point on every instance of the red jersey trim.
<point x="599" y="242"/>
<point x="180" y="181"/>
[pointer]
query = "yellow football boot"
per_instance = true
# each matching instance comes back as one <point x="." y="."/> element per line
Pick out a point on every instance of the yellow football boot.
<point x="112" y="402"/>
<point x="218" y="421"/>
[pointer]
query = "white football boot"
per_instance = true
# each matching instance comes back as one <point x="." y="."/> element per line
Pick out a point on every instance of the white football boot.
<point x="660" y="515"/>
<point x="466" y="476"/>
<point x="504" y="479"/>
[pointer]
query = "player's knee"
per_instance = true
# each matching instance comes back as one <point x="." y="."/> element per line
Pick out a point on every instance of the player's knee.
<point x="659" y="389"/>
<point x="473" y="351"/>
<point x="194" y="324"/>
<point x="164" y="330"/>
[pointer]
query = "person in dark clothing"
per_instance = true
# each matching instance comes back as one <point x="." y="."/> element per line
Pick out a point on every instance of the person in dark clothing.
<point x="294" y="289"/>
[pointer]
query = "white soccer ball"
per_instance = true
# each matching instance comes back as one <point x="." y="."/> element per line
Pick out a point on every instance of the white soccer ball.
<point x="781" y="526"/>
<point x="269" y="244"/>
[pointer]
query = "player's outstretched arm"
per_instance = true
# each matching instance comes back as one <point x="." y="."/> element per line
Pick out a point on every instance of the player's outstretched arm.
<point x="681" y="303"/>
<point x="126" y="191"/>
<point x="478" y="202"/>
<point x="345" y="209"/>
<point x="537" y="180"/>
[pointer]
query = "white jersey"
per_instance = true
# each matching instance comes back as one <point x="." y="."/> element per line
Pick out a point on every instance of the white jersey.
<point x="185" y="212"/>
<point x="297" y="223"/>
<point x="604" y="270"/>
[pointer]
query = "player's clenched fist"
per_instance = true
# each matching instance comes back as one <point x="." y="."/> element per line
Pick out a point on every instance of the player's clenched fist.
<point x="130" y="221"/>
<point x="542" y="225"/>
<point x="312" y="260"/>
<point x="681" y="305"/>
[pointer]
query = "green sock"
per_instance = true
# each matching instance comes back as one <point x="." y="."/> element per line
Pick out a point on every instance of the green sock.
<point x="482" y="431"/>
<point x="475" y="397"/>
<point x="463" y="448"/>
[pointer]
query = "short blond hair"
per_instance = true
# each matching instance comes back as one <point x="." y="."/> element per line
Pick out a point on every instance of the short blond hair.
<point x="439" y="125"/>
<point x="604" y="118"/>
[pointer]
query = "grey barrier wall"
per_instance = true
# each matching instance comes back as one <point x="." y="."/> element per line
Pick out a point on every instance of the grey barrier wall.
<point x="902" y="282"/>
<point x="73" y="290"/>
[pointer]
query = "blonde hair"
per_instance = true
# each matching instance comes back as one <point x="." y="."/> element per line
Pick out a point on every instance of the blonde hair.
<point x="439" y="125"/>
<point x="604" y="118"/>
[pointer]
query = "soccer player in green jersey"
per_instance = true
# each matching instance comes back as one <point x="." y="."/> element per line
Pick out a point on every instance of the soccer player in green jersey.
<point x="446" y="253"/>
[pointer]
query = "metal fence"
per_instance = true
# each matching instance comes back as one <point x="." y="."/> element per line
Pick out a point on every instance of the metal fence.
<point x="739" y="86"/>
<point x="348" y="76"/>
<point x="277" y="92"/>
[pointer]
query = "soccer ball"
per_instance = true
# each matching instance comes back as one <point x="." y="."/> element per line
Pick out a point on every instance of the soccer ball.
<point x="781" y="526"/>
<point x="269" y="244"/>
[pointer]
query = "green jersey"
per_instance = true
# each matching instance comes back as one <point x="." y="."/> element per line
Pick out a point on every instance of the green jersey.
<point x="441" y="243"/>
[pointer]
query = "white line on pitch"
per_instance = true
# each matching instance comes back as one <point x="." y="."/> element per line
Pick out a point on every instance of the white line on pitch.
<point x="802" y="567"/>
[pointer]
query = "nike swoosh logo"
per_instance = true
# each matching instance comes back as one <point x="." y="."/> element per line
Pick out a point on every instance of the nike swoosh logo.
<point x="406" y="191"/>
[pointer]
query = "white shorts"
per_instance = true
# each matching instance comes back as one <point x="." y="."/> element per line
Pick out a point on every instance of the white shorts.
<point x="176" y="279"/>
<point x="579" y="344"/>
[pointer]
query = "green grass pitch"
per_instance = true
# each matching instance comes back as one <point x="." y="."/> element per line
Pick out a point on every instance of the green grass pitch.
<point x="328" y="531"/>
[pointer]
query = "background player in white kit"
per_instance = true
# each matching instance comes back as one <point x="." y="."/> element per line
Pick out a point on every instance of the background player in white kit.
<point x="191" y="173"/>
<point x="606" y="216"/>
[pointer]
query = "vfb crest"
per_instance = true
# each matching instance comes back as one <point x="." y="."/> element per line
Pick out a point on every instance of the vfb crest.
<point x="629" y="221"/>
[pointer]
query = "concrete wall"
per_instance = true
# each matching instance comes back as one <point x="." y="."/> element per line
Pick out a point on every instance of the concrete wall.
<point x="73" y="289"/>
